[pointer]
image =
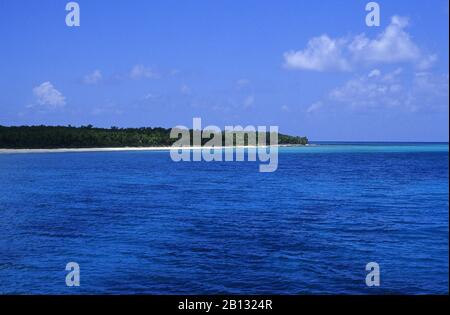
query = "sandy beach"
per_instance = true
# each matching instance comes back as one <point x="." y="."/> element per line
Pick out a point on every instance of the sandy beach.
<point x="68" y="150"/>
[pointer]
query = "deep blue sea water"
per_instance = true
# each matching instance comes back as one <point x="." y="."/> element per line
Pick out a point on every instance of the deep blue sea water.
<point x="137" y="222"/>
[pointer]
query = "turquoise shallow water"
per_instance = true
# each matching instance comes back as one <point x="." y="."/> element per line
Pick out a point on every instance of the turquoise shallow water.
<point x="137" y="222"/>
<point x="368" y="147"/>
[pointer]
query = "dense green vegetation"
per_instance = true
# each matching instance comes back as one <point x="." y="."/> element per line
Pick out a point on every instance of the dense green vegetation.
<point x="33" y="137"/>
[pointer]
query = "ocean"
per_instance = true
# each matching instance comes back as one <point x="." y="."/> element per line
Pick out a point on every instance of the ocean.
<point x="138" y="223"/>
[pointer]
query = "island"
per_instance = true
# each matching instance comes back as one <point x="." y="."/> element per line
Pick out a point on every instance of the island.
<point x="59" y="137"/>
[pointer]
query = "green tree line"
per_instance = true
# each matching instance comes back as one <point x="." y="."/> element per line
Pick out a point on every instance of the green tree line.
<point x="47" y="137"/>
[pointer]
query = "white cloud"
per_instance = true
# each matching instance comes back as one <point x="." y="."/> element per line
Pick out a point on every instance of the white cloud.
<point x="368" y="91"/>
<point x="427" y="62"/>
<point x="393" y="45"/>
<point x="423" y="91"/>
<point x="322" y="53"/>
<point x="314" y="107"/>
<point x="149" y="96"/>
<point x="93" y="77"/>
<point x="241" y="83"/>
<point x="142" y="72"/>
<point x="249" y="101"/>
<point x="393" y="75"/>
<point x="47" y="95"/>
<point x="374" y="73"/>
<point x="429" y="91"/>
<point x="285" y="108"/>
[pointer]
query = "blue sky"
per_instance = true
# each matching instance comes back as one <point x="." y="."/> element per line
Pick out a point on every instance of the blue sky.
<point x="311" y="67"/>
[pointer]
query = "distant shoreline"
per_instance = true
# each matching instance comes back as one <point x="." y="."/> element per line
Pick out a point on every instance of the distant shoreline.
<point x="118" y="149"/>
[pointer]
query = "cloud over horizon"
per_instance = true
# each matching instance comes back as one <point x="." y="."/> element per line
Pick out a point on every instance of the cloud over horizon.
<point x="47" y="95"/>
<point x="393" y="45"/>
<point x="93" y="78"/>
<point x="421" y="91"/>
<point x="142" y="72"/>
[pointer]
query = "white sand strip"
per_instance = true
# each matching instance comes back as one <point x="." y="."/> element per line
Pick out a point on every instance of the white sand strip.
<point x="6" y="151"/>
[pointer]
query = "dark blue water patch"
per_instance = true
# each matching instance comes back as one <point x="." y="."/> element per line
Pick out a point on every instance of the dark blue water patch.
<point x="137" y="222"/>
